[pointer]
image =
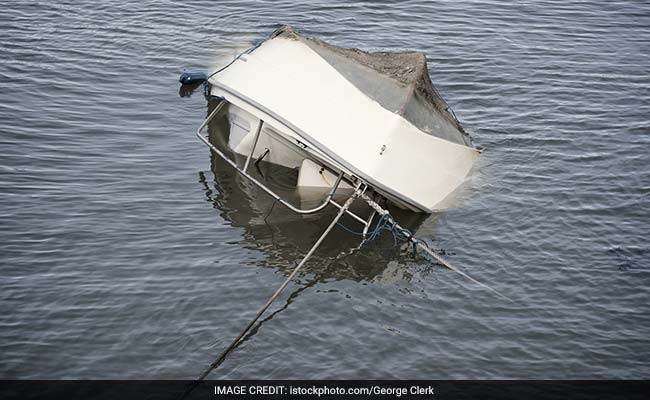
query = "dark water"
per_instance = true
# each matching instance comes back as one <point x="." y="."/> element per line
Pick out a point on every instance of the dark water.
<point x="122" y="257"/>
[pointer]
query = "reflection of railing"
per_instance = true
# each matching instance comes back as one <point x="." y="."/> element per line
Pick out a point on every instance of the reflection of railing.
<point x="244" y="171"/>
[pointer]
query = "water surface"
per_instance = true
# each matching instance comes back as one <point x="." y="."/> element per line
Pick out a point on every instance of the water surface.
<point x="127" y="252"/>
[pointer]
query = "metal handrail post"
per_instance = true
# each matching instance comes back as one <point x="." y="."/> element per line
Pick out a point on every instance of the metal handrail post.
<point x="257" y="137"/>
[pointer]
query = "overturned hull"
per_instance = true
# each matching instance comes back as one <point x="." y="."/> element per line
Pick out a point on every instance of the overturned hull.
<point x="302" y="103"/>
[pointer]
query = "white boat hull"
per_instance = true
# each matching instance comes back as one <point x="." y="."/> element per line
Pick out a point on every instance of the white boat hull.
<point x="338" y="125"/>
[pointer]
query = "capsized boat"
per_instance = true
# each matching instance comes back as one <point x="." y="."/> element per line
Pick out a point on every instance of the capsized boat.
<point x="342" y="117"/>
<point x="371" y="125"/>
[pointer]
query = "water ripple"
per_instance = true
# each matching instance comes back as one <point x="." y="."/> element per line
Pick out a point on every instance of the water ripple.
<point x="126" y="252"/>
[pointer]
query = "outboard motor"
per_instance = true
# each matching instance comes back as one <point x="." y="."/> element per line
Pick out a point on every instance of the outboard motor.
<point x="190" y="78"/>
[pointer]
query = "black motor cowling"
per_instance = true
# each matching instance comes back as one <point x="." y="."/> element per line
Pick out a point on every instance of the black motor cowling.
<point x="190" y="78"/>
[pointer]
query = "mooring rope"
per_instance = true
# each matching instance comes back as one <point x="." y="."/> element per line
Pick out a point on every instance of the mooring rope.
<point x="403" y="233"/>
<point x="386" y="222"/>
<point x="275" y="295"/>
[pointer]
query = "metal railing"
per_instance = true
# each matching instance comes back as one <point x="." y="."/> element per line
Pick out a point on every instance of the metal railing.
<point x="244" y="171"/>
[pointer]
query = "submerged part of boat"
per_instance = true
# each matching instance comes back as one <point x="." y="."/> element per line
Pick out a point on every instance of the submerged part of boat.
<point x="344" y="116"/>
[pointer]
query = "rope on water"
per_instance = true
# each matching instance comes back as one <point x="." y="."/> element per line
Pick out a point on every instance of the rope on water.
<point x="385" y="223"/>
<point x="266" y="305"/>
<point x="388" y="223"/>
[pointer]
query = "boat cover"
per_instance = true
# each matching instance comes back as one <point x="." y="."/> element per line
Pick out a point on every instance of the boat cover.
<point x="377" y="115"/>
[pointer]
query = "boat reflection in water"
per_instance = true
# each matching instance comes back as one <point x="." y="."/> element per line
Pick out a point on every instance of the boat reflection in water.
<point x="285" y="236"/>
